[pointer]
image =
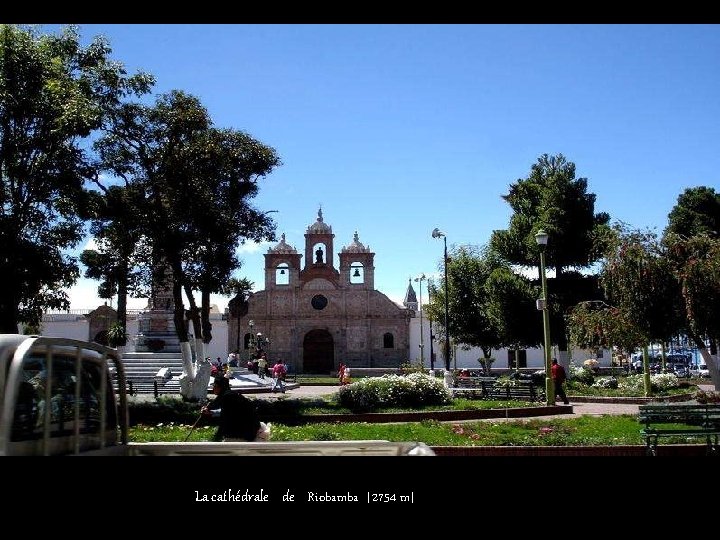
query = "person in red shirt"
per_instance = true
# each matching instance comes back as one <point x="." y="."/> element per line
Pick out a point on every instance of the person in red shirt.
<point x="558" y="377"/>
<point x="278" y="372"/>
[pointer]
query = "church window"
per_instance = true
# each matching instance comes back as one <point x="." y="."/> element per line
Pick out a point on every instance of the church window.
<point x="319" y="301"/>
<point x="282" y="274"/>
<point x="357" y="273"/>
<point x="388" y="341"/>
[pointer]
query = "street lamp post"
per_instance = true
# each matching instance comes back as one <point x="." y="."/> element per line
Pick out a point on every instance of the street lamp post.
<point x="263" y="343"/>
<point x="542" y="238"/>
<point x="432" y="353"/>
<point x="251" y="343"/>
<point x="437" y="234"/>
<point x="420" y="279"/>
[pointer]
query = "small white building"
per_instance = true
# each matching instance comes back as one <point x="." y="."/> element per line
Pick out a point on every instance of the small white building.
<point x="504" y="358"/>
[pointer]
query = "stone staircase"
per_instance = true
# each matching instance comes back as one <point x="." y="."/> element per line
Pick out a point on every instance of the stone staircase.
<point x="141" y="372"/>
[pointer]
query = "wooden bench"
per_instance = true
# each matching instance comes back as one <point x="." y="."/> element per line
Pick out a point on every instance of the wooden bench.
<point x="487" y="388"/>
<point x="682" y="420"/>
<point x="519" y="390"/>
<point x="148" y="385"/>
<point x="473" y="386"/>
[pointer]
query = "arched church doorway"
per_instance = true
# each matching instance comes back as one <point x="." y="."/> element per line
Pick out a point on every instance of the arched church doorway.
<point x="318" y="352"/>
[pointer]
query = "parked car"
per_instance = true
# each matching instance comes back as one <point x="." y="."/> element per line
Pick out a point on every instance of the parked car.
<point x="699" y="371"/>
<point x="681" y="371"/>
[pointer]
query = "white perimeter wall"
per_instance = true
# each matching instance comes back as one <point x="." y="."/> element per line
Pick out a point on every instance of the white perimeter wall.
<point x="77" y="327"/>
<point x="468" y="359"/>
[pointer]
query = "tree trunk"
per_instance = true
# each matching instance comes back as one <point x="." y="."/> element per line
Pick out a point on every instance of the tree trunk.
<point x="710" y="360"/>
<point x="181" y="329"/>
<point x="205" y="315"/>
<point x="197" y="326"/>
<point x="646" y="371"/>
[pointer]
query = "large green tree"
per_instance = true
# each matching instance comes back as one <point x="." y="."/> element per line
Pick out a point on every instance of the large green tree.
<point x="695" y="263"/>
<point x="122" y="247"/>
<point x="553" y="199"/>
<point x="54" y="94"/>
<point x="511" y="308"/>
<point x="489" y="305"/>
<point x="639" y="280"/>
<point x="198" y="182"/>
<point x="697" y="212"/>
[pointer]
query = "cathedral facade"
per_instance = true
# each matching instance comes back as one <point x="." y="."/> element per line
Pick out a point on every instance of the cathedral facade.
<point x="316" y="316"/>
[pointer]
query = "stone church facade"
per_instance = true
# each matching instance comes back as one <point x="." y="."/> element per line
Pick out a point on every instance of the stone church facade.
<point x="315" y="315"/>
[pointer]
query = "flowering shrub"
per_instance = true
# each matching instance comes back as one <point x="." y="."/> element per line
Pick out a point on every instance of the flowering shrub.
<point x="663" y="381"/>
<point x="633" y="382"/>
<point x="605" y="382"/>
<point x="414" y="390"/>
<point x="581" y="374"/>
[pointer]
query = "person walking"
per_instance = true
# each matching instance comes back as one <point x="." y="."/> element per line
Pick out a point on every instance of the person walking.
<point x="262" y="366"/>
<point x="278" y="371"/>
<point x="558" y="377"/>
<point x="238" y="417"/>
<point x="346" y="376"/>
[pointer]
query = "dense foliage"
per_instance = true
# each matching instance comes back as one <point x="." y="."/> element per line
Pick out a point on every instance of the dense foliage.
<point x="54" y="95"/>
<point x="414" y="390"/>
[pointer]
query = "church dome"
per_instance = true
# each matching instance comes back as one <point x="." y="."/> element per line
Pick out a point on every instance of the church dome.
<point x="356" y="246"/>
<point x="282" y="247"/>
<point x="319" y="227"/>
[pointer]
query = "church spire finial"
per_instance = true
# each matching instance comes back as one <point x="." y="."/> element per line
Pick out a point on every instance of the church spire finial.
<point x="320" y="217"/>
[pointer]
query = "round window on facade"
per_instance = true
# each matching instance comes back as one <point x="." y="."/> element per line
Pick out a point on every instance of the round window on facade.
<point x="319" y="301"/>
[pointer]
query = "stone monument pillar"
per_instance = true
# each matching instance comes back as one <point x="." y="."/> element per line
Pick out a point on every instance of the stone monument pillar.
<point x="156" y="327"/>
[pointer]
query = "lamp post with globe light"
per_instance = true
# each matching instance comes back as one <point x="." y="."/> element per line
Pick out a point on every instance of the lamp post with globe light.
<point x="419" y="280"/>
<point x="251" y="341"/>
<point x="541" y="237"/>
<point x="437" y="233"/>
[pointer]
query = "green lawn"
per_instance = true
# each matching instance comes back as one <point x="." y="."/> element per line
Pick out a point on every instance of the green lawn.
<point x="585" y="430"/>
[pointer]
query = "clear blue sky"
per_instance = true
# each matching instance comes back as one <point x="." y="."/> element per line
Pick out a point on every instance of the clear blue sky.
<point x="397" y="129"/>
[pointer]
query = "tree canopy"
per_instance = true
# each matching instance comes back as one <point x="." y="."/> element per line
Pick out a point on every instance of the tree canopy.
<point x="696" y="213"/>
<point x="54" y="94"/>
<point x="553" y="199"/>
<point x="197" y="182"/>
<point x="489" y="305"/>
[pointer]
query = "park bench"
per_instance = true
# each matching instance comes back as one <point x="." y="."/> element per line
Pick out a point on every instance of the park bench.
<point x="488" y="388"/>
<point x="146" y="385"/>
<point x="519" y="390"/>
<point x="680" y="420"/>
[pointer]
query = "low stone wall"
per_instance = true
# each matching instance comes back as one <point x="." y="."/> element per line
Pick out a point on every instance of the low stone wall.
<point x="567" y="451"/>
<point x="631" y="400"/>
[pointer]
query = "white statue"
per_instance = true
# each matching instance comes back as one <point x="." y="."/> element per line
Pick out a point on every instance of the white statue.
<point x="197" y="387"/>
